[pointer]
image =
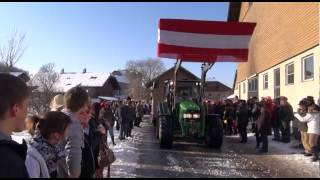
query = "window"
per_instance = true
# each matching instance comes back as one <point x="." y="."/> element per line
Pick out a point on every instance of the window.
<point x="308" y="67"/>
<point x="93" y="78"/>
<point x="253" y="84"/>
<point x="244" y="87"/>
<point x="256" y="84"/>
<point x="290" y="73"/>
<point x="277" y="83"/>
<point x="265" y="81"/>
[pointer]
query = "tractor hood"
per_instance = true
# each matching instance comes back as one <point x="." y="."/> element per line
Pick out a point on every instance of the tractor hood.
<point x="188" y="105"/>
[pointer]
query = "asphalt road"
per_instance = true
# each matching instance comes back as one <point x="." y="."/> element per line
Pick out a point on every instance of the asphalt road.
<point x="140" y="156"/>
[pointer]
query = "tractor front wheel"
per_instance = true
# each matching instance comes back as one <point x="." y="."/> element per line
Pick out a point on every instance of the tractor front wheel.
<point x="165" y="132"/>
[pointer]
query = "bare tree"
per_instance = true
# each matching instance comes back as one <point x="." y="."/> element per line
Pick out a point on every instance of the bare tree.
<point x="12" y="51"/>
<point x="140" y="72"/>
<point x="44" y="82"/>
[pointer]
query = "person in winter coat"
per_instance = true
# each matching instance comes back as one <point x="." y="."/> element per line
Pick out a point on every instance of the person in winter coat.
<point x="229" y="115"/>
<point x="131" y="116"/>
<point x="122" y="114"/>
<point x="285" y="116"/>
<point x="303" y="128"/>
<point x="76" y="106"/>
<point x="256" y="111"/>
<point x="313" y="122"/>
<point x="14" y="95"/>
<point x="95" y="136"/>
<point x="264" y="124"/>
<point x="219" y="109"/>
<point x="139" y="113"/>
<point x="43" y="153"/>
<point x="275" y="121"/>
<point x="243" y="119"/>
<point x="108" y="118"/>
<point x="88" y="168"/>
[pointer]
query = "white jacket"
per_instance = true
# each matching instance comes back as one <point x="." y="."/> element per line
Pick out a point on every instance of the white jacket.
<point x="36" y="165"/>
<point x="313" y="122"/>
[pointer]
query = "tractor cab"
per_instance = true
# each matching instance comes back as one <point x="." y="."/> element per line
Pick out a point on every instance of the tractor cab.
<point x="183" y="113"/>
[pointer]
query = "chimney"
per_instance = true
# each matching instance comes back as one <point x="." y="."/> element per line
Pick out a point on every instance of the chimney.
<point x="84" y="70"/>
<point x="62" y="71"/>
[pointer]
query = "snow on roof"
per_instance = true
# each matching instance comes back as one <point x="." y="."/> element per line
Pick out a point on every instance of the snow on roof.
<point x="70" y="80"/>
<point x="120" y="76"/>
<point x="121" y="79"/>
<point x="16" y="73"/>
<point x="95" y="79"/>
<point x="108" y="98"/>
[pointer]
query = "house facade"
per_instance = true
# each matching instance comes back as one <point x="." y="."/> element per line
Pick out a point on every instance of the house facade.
<point x="216" y="91"/>
<point x="284" y="50"/>
<point x="123" y="91"/>
<point x="96" y="84"/>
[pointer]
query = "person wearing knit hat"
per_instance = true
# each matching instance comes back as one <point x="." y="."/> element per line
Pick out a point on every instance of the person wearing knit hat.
<point x="312" y="118"/>
<point x="303" y="128"/>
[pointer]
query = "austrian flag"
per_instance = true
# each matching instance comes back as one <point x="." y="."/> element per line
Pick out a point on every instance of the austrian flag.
<point x="204" y="41"/>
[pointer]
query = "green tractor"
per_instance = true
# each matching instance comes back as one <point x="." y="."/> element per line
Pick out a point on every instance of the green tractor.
<point x="184" y="114"/>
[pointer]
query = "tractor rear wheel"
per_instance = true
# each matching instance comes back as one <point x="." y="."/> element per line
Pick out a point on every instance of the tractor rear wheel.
<point x="165" y="132"/>
<point x="214" y="135"/>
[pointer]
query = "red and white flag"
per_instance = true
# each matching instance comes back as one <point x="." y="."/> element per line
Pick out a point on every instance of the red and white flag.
<point x="204" y="41"/>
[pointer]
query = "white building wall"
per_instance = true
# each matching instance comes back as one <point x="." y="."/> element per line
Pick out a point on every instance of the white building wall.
<point x="240" y="91"/>
<point x="294" y="92"/>
<point x="300" y="89"/>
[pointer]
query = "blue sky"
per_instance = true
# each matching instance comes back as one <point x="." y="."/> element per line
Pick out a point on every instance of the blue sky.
<point x="101" y="36"/>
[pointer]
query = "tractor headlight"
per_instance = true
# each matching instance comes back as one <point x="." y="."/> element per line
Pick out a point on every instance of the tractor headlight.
<point x="196" y="116"/>
<point x="187" y="116"/>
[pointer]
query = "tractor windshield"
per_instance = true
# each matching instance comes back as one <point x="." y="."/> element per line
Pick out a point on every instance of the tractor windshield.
<point x="188" y="90"/>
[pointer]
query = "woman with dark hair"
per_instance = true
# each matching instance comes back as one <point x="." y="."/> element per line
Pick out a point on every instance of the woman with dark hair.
<point x="43" y="154"/>
<point x="92" y="137"/>
<point x="96" y="132"/>
<point x="264" y="124"/>
<point x="108" y="119"/>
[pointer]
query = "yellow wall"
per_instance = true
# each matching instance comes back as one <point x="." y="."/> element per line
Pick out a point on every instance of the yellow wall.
<point x="300" y="88"/>
<point x="283" y="30"/>
<point x="296" y="91"/>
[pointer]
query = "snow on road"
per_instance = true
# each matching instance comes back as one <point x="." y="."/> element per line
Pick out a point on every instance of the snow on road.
<point x="141" y="156"/>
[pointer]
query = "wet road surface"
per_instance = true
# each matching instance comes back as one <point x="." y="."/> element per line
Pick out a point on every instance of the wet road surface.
<point x="140" y="156"/>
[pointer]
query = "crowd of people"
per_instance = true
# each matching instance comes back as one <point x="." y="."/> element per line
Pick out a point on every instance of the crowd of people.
<point x="270" y="115"/>
<point x="69" y="141"/>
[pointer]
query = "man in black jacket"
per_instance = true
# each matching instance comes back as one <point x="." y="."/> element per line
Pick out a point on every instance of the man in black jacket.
<point x="285" y="116"/>
<point x="14" y="95"/>
<point x="243" y="119"/>
<point x="275" y="121"/>
<point x="122" y="114"/>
